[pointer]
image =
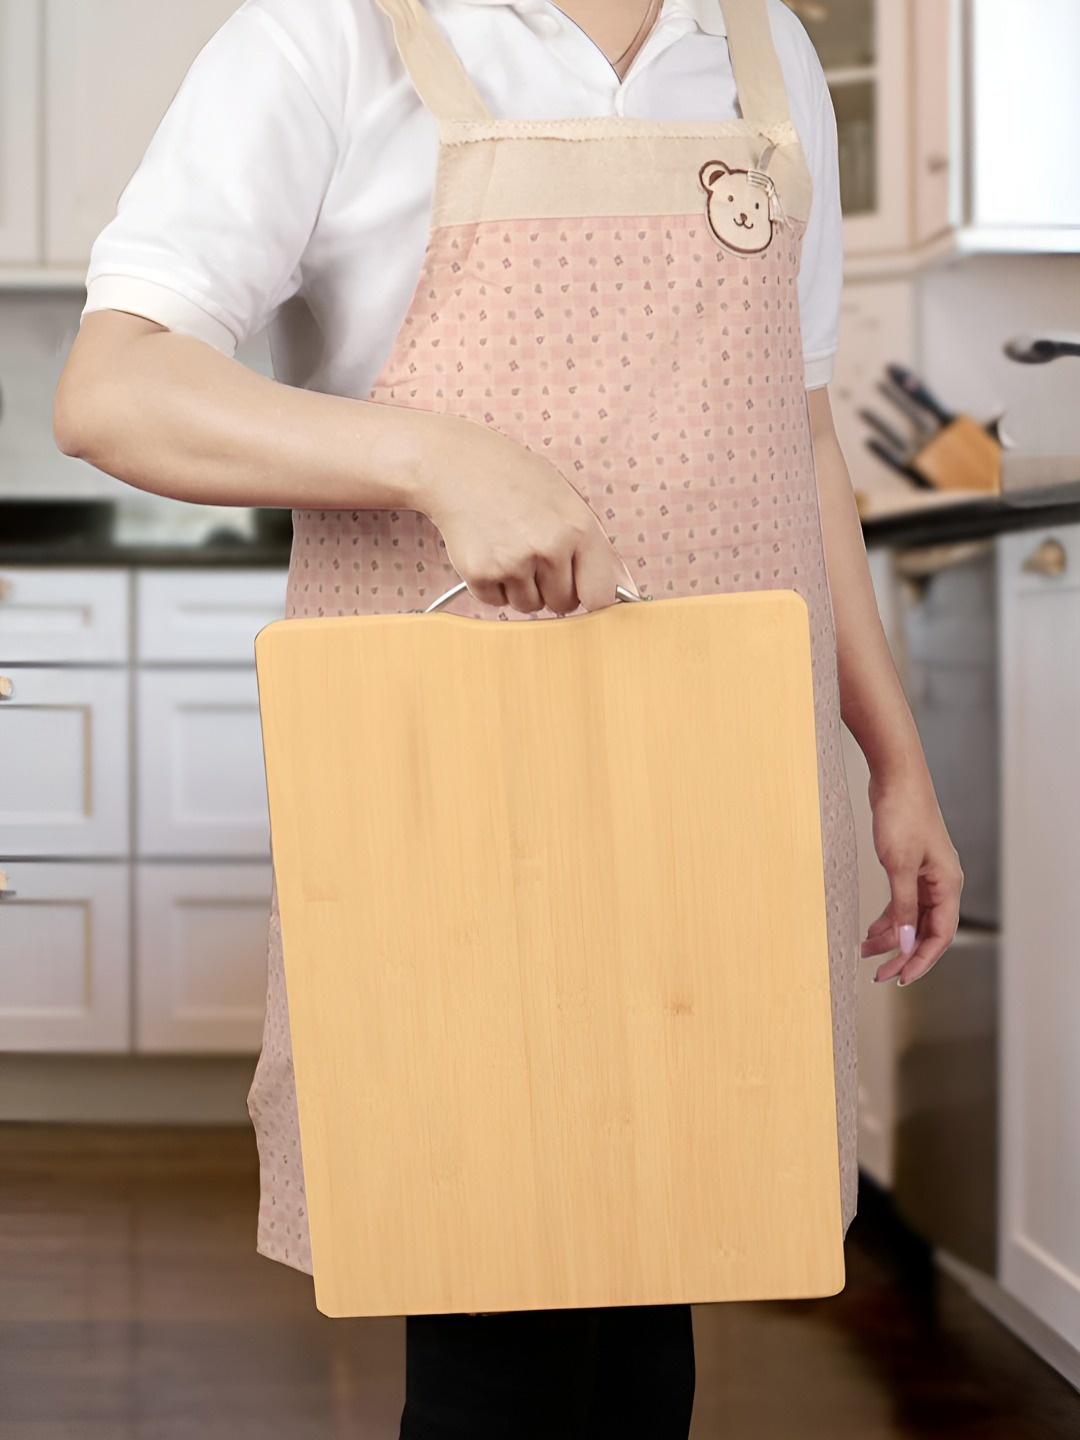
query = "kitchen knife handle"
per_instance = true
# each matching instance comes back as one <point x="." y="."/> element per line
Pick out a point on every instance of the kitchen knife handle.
<point x="620" y="590"/>
<point x="884" y="453"/>
<point x="915" y="390"/>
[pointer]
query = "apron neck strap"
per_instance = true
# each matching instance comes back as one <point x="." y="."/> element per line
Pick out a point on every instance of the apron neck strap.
<point x="759" y="79"/>
<point x="438" y="76"/>
<point x="443" y="85"/>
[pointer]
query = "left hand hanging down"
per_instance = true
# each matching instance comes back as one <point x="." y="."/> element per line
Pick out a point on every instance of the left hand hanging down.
<point x="925" y="877"/>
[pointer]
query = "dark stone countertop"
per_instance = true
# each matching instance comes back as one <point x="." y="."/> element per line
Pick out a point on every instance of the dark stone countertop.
<point x="243" y="555"/>
<point x="943" y="523"/>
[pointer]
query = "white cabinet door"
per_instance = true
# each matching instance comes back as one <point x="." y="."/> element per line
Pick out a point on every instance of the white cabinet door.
<point x="205" y="615"/>
<point x="64" y="958"/>
<point x="935" y="89"/>
<point x="64" y="762"/>
<point x="1025" y="116"/>
<point x="1040" y="951"/>
<point x="873" y="118"/>
<point x="20" y="158"/>
<point x="112" y="68"/>
<point x="201" y="936"/>
<point x="201" y="780"/>
<point x="54" y="614"/>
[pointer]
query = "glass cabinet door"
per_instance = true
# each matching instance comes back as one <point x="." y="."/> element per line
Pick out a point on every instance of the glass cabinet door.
<point x="863" y="48"/>
<point x="842" y="31"/>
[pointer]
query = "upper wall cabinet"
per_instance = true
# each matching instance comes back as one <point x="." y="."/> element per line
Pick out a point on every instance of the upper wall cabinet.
<point x="83" y="86"/>
<point x="20" y="160"/>
<point x="956" y="122"/>
<point x="1024" y="183"/>
<point x="863" y="48"/>
<point x="112" y="69"/>
<point x="955" y="119"/>
<point x="891" y="67"/>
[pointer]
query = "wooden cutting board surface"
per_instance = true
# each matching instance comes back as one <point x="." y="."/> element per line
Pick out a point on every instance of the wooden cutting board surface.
<point x="554" y="934"/>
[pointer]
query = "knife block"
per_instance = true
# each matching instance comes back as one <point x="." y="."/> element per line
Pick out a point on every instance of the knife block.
<point x="961" y="456"/>
<point x="554" y="935"/>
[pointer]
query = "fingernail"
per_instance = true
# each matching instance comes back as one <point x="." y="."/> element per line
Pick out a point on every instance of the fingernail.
<point x="907" y="938"/>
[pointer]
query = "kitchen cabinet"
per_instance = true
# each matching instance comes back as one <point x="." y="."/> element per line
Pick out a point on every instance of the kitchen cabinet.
<point x="1039" y="609"/>
<point x="201" y="783"/>
<point x="20" y="135"/>
<point x="65" y="943"/>
<point x="932" y="160"/>
<point x="49" y="615"/>
<point x="864" y="49"/>
<point x="205" y="616"/>
<point x="63" y="762"/>
<point x="111" y="70"/>
<point x="113" y="710"/>
<point x="200" y="943"/>
<point x="1025" y="183"/>
<point x="64" y="712"/>
<point x="82" y="90"/>
<point x="935" y="99"/>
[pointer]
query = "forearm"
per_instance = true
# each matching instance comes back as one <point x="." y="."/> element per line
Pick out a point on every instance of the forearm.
<point x="168" y="414"/>
<point x="872" y="700"/>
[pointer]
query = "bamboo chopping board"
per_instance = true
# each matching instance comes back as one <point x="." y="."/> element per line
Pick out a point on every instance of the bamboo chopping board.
<point x="554" y="936"/>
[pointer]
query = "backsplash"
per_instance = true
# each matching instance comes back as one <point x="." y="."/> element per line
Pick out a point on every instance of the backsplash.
<point x="37" y="329"/>
<point x="967" y="310"/>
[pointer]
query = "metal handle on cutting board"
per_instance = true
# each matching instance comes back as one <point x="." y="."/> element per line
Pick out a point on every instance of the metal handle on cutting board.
<point x="620" y="590"/>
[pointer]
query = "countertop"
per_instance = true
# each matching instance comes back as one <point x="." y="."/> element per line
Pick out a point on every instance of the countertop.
<point x="241" y="555"/>
<point x="940" y="518"/>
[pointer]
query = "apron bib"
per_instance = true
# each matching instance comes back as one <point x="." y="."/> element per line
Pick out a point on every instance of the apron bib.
<point x="620" y="296"/>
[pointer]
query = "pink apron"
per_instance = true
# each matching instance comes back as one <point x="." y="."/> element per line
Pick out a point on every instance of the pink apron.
<point x="619" y="295"/>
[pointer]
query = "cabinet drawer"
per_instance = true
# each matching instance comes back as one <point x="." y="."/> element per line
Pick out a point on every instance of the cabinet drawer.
<point x="58" y="614"/>
<point x="1040" y="562"/>
<point x="201" y="780"/>
<point x="205" y="615"/>
<point x="201" y="937"/>
<point x="64" y="763"/>
<point x="64" y="938"/>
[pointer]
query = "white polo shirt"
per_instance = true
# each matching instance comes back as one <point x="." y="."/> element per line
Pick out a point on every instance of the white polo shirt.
<point x="290" y="182"/>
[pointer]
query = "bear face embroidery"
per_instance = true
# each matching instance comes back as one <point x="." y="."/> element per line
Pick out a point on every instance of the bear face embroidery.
<point x="738" y="208"/>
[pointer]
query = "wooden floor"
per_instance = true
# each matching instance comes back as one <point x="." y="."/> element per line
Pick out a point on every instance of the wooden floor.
<point x="133" y="1307"/>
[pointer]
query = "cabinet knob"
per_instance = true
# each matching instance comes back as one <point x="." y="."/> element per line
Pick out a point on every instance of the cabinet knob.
<point x="5" y="893"/>
<point x="7" y="689"/>
<point x="937" y="163"/>
<point x="1048" y="559"/>
<point x="6" y="587"/>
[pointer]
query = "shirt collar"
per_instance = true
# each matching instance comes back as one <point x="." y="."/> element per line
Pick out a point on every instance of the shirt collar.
<point x="707" y="15"/>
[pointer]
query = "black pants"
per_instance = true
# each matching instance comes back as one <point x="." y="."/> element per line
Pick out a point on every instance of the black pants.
<point x="617" y="1371"/>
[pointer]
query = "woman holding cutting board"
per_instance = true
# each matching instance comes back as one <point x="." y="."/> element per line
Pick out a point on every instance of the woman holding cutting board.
<point x="553" y="296"/>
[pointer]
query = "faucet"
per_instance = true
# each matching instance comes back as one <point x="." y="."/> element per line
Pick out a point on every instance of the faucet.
<point x="1028" y="350"/>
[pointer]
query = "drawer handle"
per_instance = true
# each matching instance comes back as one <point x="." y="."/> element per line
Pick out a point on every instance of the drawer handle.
<point x="7" y="689"/>
<point x="6" y="587"/>
<point x="5" y="893"/>
<point x="1048" y="559"/>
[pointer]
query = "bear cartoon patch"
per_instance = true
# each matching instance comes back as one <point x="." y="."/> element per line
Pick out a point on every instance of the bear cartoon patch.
<point x="738" y="208"/>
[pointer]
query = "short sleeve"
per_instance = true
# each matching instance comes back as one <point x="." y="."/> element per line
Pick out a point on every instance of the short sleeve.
<point x="210" y="229"/>
<point x="821" y="273"/>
